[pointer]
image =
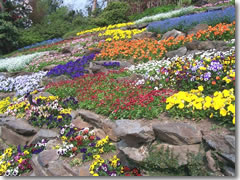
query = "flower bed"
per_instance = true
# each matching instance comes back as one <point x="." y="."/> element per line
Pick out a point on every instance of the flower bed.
<point x="149" y="49"/>
<point x="73" y="69"/>
<point x="15" y="161"/>
<point x="17" y="63"/>
<point x="186" y="22"/>
<point x="21" y="84"/>
<point x="82" y="141"/>
<point x="43" y="43"/>
<point x="166" y="15"/>
<point x="105" y="95"/>
<point x="111" y="167"/>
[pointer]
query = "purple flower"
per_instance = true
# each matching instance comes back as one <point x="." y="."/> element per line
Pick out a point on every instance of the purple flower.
<point x="83" y="150"/>
<point x="19" y="149"/>
<point x="104" y="167"/>
<point x="207" y="76"/>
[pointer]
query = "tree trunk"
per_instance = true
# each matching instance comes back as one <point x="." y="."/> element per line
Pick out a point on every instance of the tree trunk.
<point x="94" y="5"/>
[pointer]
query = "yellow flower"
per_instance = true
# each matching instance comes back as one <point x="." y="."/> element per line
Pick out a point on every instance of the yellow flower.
<point x="101" y="150"/>
<point x="59" y="117"/>
<point x="20" y="160"/>
<point x="233" y="121"/>
<point x="26" y="152"/>
<point x="64" y="138"/>
<point x="200" y="88"/>
<point x="223" y="112"/>
<point x="95" y="174"/>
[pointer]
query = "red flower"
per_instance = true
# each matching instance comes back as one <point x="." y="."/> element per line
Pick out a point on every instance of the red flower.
<point x="127" y="174"/>
<point x="126" y="169"/>
<point x="92" y="138"/>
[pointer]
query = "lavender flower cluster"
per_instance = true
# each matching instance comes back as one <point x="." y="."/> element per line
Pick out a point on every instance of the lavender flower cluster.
<point x="21" y="84"/>
<point x="111" y="64"/>
<point x="73" y="69"/>
<point x="183" y="23"/>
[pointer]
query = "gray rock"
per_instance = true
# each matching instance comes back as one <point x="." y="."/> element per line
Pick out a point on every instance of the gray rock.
<point x="173" y="33"/>
<point x="4" y="95"/>
<point x="177" y="133"/>
<point x="132" y="77"/>
<point x="56" y="168"/>
<point x="21" y="127"/>
<point x="38" y="169"/>
<point x="210" y="161"/>
<point x="43" y="134"/>
<point x="13" y="138"/>
<point x="200" y="45"/>
<point x="47" y="156"/>
<point x="49" y="67"/>
<point x="91" y="51"/>
<point x="134" y="132"/>
<point x="228" y="171"/>
<point x="46" y="80"/>
<point x="67" y="50"/>
<point x="230" y="157"/>
<point x="97" y="69"/>
<point x="74" y="114"/>
<point x="180" y="152"/>
<point x="143" y="35"/>
<point x="79" y="123"/>
<point x="179" y="52"/>
<point x="135" y="154"/>
<point x="230" y="140"/>
<point x="100" y="122"/>
<point x="52" y="143"/>
<point x="123" y="64"/>
<point x="197" y="28"/>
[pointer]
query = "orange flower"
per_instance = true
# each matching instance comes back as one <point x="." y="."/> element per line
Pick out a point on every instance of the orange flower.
<point x="213" y="82"/>
<point x="74" y="149"/>
<point x="217" y="78"/>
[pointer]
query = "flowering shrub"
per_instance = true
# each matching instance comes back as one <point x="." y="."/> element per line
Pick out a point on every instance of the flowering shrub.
<point x="46" y="42"/>
<point x="115" y="26"/>
<point x="117" y="34"/>
<point x="21" y="84"/>
<point x="166" y="15"/>
<point x="105" y="95"/>
<point x="17" y="63"/>
<point x="184" y="23"/>
<point x="111" y="64"/>
<point x="15" y="161"/>
<point x="149" y="49"/>
<point x="82" y="141"/>
<point x="220" y="106"/>
<point x="112" y="167"/>
<point x="73" y="69"/>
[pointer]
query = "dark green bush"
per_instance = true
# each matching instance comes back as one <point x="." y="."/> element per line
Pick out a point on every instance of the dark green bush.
<point x="114" y="13"/>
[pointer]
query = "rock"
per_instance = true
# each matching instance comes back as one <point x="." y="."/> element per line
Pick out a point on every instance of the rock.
<point x="210" y="161"/>
<point x="100" y="133"/>
<point x="143" y="35"/>
<point x="221" y="45"/>
<point x="10" y="137"/>
<point x="230" y="140"/>
<point x="56" y="168"/>
<point x="52" y="144"/>
<point x="135" y="154"/>
<point x="179" y="52"/>
<point x="4" y="120"/>
<point x="216" y="8"/>
<point x="181" y="152"/>
<point x="225" y="148"/>
<point x="123" y="64"/>
<point x="200" y="45"/>
<point x="100" y="122"/>
<point x="74" y="114"/>
<point x="47" y="156"/>
<point x="91" y="51"/>
<point x="21" y="127"/>
<point x="3" y="145"/>
<point x="97" y="68"/>
<point x="228" y="171"/>
<point x="83" y="170"/>
<point x="49" y="67"/>
<point x="200" y="2"/>
<point x="79" y="123"/>
<point x="38" y="169"/>
<point x="194" y="53"/>
<point x="66" y="50"/>
<point x="43" y="134"/>
<point x="197" y="28"/>
<point x="143" y="25"/>
<point x="173" y="33"/>
<point x="134" y="132"/>
<point x="177" y="133"/>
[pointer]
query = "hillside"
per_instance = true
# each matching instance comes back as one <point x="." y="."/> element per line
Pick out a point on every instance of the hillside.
<point x="152" y="97"/>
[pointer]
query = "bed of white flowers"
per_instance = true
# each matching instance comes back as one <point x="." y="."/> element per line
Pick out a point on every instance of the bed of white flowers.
<point x="17" y="63"/>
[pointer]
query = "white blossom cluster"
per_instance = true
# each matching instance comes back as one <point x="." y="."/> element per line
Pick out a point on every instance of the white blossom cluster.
<point x="12" y="172"/>
<point x="21" y="84"/>
<point x="17" y="63"/>
<point x="166" y="15"/>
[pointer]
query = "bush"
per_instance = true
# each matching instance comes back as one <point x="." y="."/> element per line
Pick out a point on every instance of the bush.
<point x="8" y="35"/>
<point x="114" y="13"/>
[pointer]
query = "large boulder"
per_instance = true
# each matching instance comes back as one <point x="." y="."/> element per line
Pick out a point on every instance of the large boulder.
<point x="173" y="33"/>
<point x="179" y="52"/>
<point x="177" y="133"/>
<point x="143" y="35"/>
<point x="181" y="153"/>
<point x="21" y="127"/>
<point x="197" y="28"/>
<point x="91" y="51"/>
<point x="200" y="45"/>
<point x="134" y="132"/>
<point x="43" y="134"/>
<point x="47" y="156"/>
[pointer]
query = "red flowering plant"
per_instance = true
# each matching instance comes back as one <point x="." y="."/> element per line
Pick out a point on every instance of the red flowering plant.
<point x="104" y="94"/>
<point x="82" y="141"/>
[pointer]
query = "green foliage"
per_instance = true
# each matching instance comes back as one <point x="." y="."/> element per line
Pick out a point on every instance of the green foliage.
<point x="8" y="34"/>
<point x="152" y="11"/>
<point x="114" y="13"/>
